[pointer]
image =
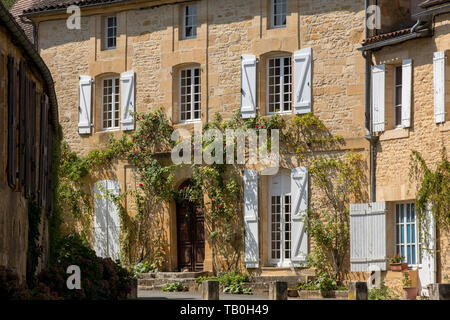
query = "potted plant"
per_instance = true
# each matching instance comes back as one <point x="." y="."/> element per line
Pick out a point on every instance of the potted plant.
<point x="409" y="291"/>
<point x="396" y="263"/>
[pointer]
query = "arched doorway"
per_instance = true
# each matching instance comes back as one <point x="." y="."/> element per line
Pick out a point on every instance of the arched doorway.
<point x="190" y="235"/>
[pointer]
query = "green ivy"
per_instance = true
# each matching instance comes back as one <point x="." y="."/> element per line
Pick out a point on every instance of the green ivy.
<point x="34" y="249"/>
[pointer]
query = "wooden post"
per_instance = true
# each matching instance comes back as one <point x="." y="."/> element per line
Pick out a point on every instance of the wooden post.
<point x="357" y="291"/>
<point x="278" y="290"/>
<point x="210" y="290"/>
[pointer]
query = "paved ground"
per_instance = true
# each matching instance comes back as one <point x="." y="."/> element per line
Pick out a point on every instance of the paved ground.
<point x="159" y="295"/>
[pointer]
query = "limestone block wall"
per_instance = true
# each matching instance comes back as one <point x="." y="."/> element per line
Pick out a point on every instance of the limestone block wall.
<point x="425" y="136"/>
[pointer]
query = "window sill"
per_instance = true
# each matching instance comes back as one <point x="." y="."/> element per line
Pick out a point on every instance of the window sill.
<point x="444" y="127"/>
<point x="394" y="134"/>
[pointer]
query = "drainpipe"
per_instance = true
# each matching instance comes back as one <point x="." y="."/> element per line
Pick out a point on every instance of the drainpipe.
<point x="368" y="119"/>
<point x="33" y="25"/>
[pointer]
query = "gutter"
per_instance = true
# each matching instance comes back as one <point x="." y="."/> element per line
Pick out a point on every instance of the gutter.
<point x="31" y="52"/>
<point x="434" y="11"/>
<point x="33" y="25"/>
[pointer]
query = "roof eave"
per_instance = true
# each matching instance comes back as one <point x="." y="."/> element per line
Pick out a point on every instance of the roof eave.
<point x="396" y="40"/>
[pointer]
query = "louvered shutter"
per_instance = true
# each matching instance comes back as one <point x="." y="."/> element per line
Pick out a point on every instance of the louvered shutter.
<point x="106" y="220"/>
<point x="302" y="81"/>
<point x="251" y="239"/>
<point x="248" y="86"/>
<point x="43" y="145"/>
<point x="406" y="92"/>
<point x="427" y="270"/>
<point x="23" y="126"/>
<point x="299" y="195"/>
<point x="367" y="236"/>
<point x="378" y="97"/>
<point x="84" y="105"/>
<point x="439" y="86"/>
<point x="33" y="138"/>
<point x="12" y="123"/>
<point x="127" y="99"/>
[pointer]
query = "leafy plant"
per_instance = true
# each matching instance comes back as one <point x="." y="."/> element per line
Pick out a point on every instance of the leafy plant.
<point x="232" y="282"/>
<point x="144" y="267"/>
<point x="174" y="287"/>
<point x="382" y="293"/>
<point x="396" y="259"/>
<point x="406" y="279"/>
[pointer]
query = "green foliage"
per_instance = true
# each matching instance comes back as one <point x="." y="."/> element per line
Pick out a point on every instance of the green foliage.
<point x="397" y="259"/>
<point x="34" y="250"/>
<point x="174" y="287"/>
<point x="101" y="278"/>
<point x="384" y="293"/>
<point x="8" y="3"/>
<point x="406" y="279"/>
<point x="232" y="282"/>
<point x="433" y="193"/>
<point x="144" y="267"/>
<point x="322" y="283"/>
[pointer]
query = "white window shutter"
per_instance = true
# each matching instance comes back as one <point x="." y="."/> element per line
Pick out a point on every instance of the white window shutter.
<point x="299" y="195"/>
<point x="106" y="220"/>
<point x="427" y="272"/>
<point x="251" y="241"/>
<point x="368" y="237"/>
<point x="406" y="92"/>
<point x="84" y="104"/>
<point x="127" y="100"/>
<point x="439" y="86"/>
<point x="248" y="86"/>
<point x="378" y="97"/>
<point x="303" y="81"/>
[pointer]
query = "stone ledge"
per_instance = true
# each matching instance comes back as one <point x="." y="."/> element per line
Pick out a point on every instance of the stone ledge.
<point x="399" y="133"/>
<point x="315" y="294"/>
<point x="444" y="127"/>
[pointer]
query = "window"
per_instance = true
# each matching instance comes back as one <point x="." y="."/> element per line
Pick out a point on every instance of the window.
<point x="110" y="32"/>
<point x="279" y="84"/>
<point x="110" y="112"/>
<point x="278" y="13"/>
<point x="189" y="21"/>
<point x="190" y="94"/>
<point x="398" y="87"/>
<point x="406" y="233"/>
<point x="280" y="220"/>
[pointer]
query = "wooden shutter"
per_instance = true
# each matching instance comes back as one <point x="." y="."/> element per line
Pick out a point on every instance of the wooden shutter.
<point x="302" y="81"/>
<point x="32" y="144"/>
<point x="367" y="236"/>
<point x="43" y="146"/>
<point x="84" y="105"/>
<point x="406" y="92"/>
<point x="251" y="239"/>
<point x="12" y="123"/>
<point x="106" y="220"/>
<point x="427" y="270"/>
<point x="378" y="97"/>
<point x="127" y="100"/>
<point x="299" y="198"/>
<point x="23" y="128"/>
<point x="49" y="186"/>
<point x="439" y="86"/>
<point x="248" y="86"/>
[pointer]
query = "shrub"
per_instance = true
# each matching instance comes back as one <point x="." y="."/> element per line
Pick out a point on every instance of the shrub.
<point x="384" y="293"/>
<point x="231" y="282"/>
<point x="101" y="278"/>
<point x="174" y="287"/>
<point x="144" y="267"/>
<point x="10" y="286"/>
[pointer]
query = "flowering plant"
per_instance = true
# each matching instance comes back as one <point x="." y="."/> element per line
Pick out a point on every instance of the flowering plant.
<point x="406" y="280"/>
<point x="397" y="259"/>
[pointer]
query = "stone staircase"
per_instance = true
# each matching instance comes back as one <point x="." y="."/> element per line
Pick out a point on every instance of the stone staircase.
<point x="259" y="284"/>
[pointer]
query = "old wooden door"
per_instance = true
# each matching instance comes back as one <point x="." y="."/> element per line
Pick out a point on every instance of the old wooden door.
<point x="191" y="237"/>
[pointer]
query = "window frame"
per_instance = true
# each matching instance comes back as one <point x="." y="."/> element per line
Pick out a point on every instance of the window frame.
<point x="282" y="93"/>
<point x="405" y="244"/>
<point x="184" y="25"/>
<point x="272" y="15"/>
<point x="106" y="37"/>
<point x="192" y="85"/>
<point x="285" y="191"/>
<point x="398" y="122"/>
<point x="113" y="101"/>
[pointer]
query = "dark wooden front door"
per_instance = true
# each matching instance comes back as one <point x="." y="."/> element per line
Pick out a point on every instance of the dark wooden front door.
<point x="191" y="237"/>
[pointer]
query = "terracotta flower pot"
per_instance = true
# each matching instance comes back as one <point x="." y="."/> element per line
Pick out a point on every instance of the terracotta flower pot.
<point x="410" y="293"/>
<point x="398" y="267"/>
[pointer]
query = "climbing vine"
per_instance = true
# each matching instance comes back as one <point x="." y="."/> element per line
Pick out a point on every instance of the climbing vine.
<point x="34" y="250"/>
<point x="433" y="193"/>
<point x="216" y="188"/>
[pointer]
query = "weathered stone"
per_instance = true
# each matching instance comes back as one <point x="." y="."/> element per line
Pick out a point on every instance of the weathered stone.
<point x="210" y="290"/>
<point x="357" y="291"/>
<point x="440" y="291"/>
<point x="278" y="290"/>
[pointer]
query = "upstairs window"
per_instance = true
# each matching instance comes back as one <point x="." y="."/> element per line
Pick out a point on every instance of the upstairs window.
<point x="189" y="21"/>
<point x="279" y="84"/>
<point x="110" y="32"/>
<point x="111" y="107"/>
<point x="190" y="94"/>
<point x="278" y="13"/>
<point x="398" y="87"/>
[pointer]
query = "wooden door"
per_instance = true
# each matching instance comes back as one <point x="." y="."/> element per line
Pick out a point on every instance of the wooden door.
<point x="191" y="237"/>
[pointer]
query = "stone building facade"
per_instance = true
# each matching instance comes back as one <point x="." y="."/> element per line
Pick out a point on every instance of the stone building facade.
<point x="29" y="120"/>
<point x="151" y="44"/>
<point x="409" y="111"/>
